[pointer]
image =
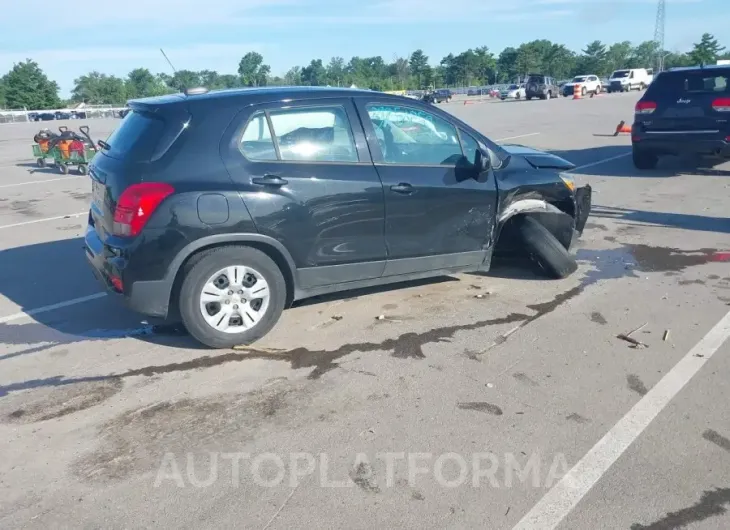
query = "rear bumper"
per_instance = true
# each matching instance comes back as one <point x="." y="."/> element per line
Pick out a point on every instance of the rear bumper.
<point x="681" y="144"/>
<point x="147" y="297"/>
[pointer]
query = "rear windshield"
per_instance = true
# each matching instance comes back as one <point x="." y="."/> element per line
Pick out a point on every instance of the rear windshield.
<point x="536" y="79"/>
<point x="143" y="137"/>
<point x="692" y="82"/>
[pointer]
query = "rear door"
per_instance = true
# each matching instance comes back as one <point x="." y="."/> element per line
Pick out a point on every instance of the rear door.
<point x="440" y="211"/>
<point x="687" y="102"/>
<point x="306" y="176"/>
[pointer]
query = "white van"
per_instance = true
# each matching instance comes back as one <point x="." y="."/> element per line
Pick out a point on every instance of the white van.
<point x="630" y="79"/>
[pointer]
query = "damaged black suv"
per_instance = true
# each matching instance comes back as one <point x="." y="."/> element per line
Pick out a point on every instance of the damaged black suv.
<point x="222" y="208"/>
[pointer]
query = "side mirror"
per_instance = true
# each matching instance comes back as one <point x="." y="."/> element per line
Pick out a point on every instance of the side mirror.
<point x="483" y="162"/>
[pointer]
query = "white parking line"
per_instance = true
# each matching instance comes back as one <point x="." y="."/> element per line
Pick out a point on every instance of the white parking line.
<point x="46" y="308"/>
<point x="565" y="495"/>
<point x="519" y="136"/>
<point x="600" y="162"/>
<point x="24" y="223"/>
<point x="28" y="183"/>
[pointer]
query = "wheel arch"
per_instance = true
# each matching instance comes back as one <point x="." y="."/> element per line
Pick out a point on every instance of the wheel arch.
<point x="195" y="250"/>
<point x="558" y="218"/>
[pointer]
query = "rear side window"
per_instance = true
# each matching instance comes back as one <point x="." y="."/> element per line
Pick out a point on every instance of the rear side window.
<point x="691" y="82"/>
<point x="307" y="134"/>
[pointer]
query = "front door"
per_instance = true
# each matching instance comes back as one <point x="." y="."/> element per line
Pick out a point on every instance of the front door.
<point x="439" y="210"/>
<point x="307" y="179"/>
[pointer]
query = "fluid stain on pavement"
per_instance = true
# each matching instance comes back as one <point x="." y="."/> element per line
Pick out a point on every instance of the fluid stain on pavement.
<point x="598" y="318"/>
<point x="712" y="504"/>
<point x="481" y="406"/>
<point x="636" y="384"/>
<point x="50" y="403"/>
<point x="406" y="346"/>
<point x="663" y="259"/>
<point x="136" y="441"/>
<point x="717" y="439"/>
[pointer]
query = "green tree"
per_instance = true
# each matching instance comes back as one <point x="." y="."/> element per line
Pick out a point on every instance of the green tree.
<point x="707" y="50"/>
<point x="252" y="70"/>
<point x="336" y="71"/>
<point x="26" y="86"/>
<point x="315" y="74"/>
<point x="419" y="67"/>
<point x="593" y="60"/>
<point x="645" y="55"/>
<point x="2" y="94"/>
<point x="618" y="56"/>
<point x="507" y="64"/>
<point x="184" y="79"/>
<point x="96" y="88"/>
<point x="294" y="76"/>
<point x="140" y="83"/>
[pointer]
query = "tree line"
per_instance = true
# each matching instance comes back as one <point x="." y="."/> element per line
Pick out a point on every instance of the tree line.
<point x="26" y="86"/>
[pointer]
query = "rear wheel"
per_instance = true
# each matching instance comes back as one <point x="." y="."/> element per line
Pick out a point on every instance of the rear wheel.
<point x="231" y="296"/>
<point x="644" y="159"/>
<point x="41" y="162"/>
<point x="549" y="254"/>
<point x="583" y="91"/>
<point x="63" y="168"/>
<point x="82" y="169"/>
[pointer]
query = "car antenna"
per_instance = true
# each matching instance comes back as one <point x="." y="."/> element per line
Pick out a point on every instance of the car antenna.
<point x="168" y="60"/>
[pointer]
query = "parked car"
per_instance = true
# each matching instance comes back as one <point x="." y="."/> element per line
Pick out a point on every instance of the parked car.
<point x="629" y="79"/>
<point x="266" y="196"/>
<point x="590" y="84"/>
<point x="442" y="95"/>
<point x="605" y="84"/>
<point x="540" y="86"/>
<point x="684" y="111"/>
<point x="512" y="92"/>
<point x="46" y="116"/>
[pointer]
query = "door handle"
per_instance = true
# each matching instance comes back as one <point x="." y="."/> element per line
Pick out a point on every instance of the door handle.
<point x="270" y="180"/>
<point x="403" y="188"/>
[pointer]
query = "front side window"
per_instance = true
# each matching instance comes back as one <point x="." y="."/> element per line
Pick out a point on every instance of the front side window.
<point x="305" y="134"/>
<point x="414" y="137"/>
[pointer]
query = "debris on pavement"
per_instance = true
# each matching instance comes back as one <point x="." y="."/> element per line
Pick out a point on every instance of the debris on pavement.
<point x="635" y="343"/>
<point x="337" y="317"/>
<point x="666" y="335"/>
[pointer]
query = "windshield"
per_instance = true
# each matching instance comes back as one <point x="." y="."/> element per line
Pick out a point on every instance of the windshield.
<point x="620" y="73"/>
<point x="513" y="87"/>
<point x="579" y="79"/>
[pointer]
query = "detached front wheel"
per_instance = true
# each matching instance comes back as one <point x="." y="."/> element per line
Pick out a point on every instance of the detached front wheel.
<point x="232" y="296"/>
<point x="549" y="254"/>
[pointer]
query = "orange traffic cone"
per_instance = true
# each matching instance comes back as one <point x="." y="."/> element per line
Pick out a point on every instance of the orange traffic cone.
<point x="622" y="128"/>
<point x="576" y="91"/>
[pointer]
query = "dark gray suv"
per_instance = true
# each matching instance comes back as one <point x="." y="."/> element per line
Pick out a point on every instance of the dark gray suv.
<point x="222" y="208"/>
<point x="541" y="86"/>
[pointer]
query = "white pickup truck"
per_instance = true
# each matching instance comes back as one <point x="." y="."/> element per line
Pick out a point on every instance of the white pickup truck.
<point x="630" y="79"/>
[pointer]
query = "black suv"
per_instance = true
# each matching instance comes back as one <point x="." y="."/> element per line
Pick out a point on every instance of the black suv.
<point x="541" y="86"/>
<point x="442" y="95"/>
<point x="683" y="111"/>
<point x="222" y="208"/>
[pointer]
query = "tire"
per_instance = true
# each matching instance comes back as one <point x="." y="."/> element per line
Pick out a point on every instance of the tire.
<point x="63" y="168"/>
<point x="197" y="276"/>
<point x="583" y="91"/>
<point x="528" y="98"/>
<point x="550" y="255"/>
<point x="41" y="162"/>
<point x="644" y="159"/>
<point x="82" y="169"/>
<point x="642" y="87"/>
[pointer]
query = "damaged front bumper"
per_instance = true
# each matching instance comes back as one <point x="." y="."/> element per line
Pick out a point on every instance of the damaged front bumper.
<point x="582" y="207"/>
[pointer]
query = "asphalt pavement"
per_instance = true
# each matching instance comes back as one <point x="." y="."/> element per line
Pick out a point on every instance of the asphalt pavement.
<point x="499" y="400"/>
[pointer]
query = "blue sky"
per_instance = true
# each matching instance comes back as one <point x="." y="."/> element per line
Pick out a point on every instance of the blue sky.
<point x="115" y="37"/>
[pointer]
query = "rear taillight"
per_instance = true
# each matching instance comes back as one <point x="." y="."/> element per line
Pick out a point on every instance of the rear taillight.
<point x="136" y="205"/>
<point x="645" y="107"/>
<point x="721" y="105"/>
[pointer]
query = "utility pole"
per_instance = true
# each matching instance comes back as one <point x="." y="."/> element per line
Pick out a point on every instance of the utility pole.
<point x="659" y="34"/>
